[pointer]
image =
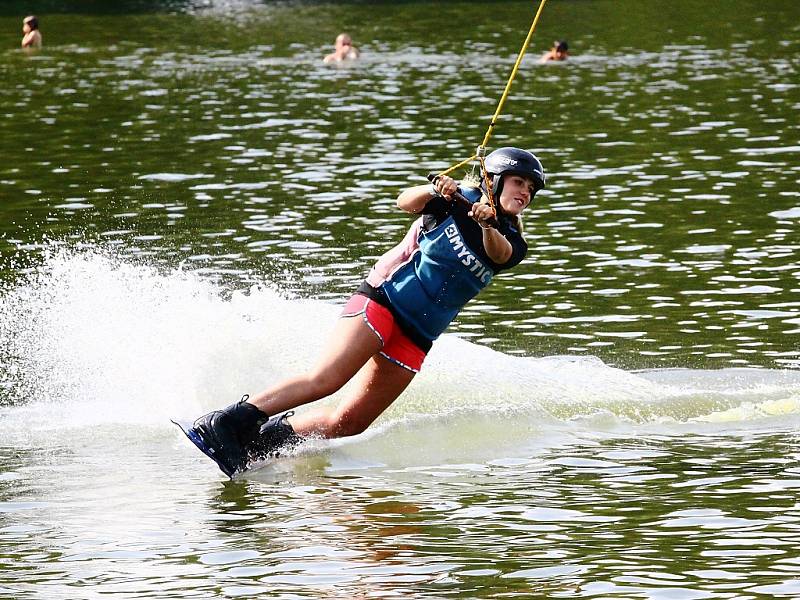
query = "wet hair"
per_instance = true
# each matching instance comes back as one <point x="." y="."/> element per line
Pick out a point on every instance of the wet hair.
<point x="562" y="46"/>
<point x="31" y="22"/>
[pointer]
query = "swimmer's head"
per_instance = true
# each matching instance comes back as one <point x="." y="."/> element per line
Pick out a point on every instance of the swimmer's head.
<point x="343" y="40"/>
<point x="31" y="22"/>
<point x="560" y="49"/>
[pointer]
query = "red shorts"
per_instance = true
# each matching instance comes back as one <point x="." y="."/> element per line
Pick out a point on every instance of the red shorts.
<point x="397" y="347"/>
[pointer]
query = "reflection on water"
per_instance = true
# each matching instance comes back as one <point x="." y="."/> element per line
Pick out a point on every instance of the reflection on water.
<point x="559" y="474"/>
<point x="705" y="516"/>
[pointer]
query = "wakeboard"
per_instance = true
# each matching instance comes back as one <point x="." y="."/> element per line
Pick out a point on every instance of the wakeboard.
<point x="189" y="432"/>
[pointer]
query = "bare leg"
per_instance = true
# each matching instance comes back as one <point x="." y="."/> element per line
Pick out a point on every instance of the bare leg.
<point x="379" y="384"/>
<point x="351" y="345"/>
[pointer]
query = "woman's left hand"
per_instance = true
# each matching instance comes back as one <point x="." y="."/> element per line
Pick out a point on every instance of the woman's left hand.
<point x="481" y="213"/>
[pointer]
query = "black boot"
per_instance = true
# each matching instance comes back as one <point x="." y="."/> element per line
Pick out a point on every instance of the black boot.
<point x="276" y="436"/>
<point x="228" y="432"/>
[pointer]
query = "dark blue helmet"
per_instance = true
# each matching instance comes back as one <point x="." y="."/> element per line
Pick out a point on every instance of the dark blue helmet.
<point x="509" y="160"/>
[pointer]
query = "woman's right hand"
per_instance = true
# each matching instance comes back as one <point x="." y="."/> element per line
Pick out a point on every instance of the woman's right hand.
<point x="414" y="199"/>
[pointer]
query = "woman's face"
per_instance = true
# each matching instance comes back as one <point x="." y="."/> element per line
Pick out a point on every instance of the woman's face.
<point x="517" y="193"/>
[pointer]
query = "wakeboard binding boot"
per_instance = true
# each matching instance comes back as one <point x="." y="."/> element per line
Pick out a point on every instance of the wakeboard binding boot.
<point x="229" y="432"/>
<point x="275" y="437"/>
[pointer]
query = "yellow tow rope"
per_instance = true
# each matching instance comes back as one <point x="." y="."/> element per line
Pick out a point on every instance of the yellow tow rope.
<point x="481" y="151"/>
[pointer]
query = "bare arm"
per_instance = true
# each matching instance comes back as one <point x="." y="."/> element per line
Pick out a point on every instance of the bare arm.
<point x="415" y="198"/>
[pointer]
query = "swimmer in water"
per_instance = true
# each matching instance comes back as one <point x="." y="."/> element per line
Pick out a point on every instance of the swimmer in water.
<point x="559" y="51"/>
<point x="343" y="50"/>
<point x="31" y="36"/>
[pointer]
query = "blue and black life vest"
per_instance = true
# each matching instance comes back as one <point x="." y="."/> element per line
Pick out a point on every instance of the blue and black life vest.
<point x="447" y="270"/>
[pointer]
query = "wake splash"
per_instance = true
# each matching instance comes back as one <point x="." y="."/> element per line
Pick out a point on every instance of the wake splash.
<point x="91" y="339"/>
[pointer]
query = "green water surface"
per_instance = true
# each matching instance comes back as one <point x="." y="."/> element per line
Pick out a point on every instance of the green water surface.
<point x="209" y="137"/>
<point x="214" y="134"/>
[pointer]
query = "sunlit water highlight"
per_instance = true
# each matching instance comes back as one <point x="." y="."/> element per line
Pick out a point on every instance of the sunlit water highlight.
<point x="560" y="475"/>
<point x="183" y="214"/>
<point x="666" y="236"/>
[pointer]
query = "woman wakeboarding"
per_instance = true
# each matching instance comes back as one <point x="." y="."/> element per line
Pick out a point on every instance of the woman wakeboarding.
<point x="410" y="296"/>
<point x="465" y="235"/>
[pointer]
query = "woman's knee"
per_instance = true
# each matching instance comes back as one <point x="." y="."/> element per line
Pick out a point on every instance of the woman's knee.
<point x="337" y="425"/>
<point x="346" y="427"/>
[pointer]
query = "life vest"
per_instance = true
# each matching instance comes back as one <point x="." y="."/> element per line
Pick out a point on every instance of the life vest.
<point x="443" y="275"/>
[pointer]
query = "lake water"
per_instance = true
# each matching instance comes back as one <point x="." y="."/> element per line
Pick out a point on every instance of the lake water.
<point x="188" y="195"/>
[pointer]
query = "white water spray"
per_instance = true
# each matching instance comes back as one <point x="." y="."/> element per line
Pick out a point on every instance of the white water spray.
<point x="92" y="339"/>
